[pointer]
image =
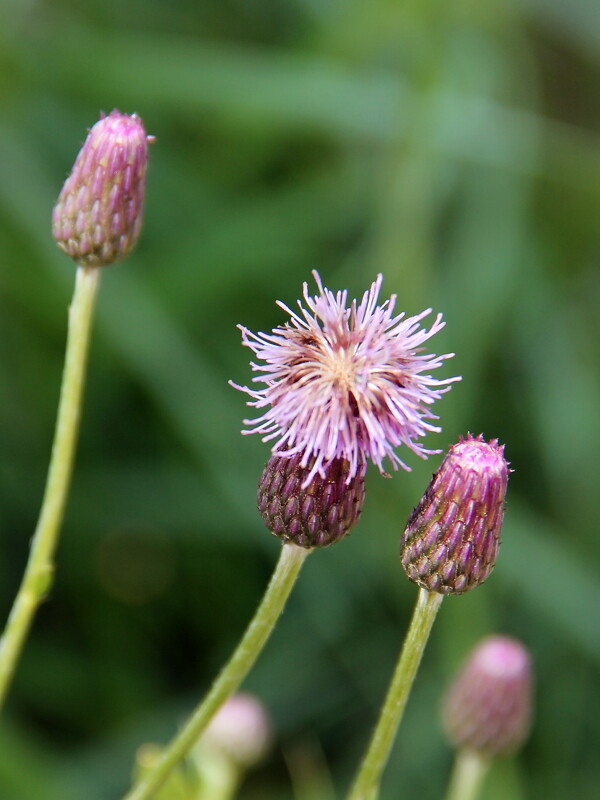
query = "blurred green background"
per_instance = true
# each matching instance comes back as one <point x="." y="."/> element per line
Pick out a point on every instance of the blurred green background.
<point x="452" y="145"/>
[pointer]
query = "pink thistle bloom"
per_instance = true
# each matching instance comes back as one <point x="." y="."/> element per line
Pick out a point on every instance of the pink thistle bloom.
<point x="345" y="381"/>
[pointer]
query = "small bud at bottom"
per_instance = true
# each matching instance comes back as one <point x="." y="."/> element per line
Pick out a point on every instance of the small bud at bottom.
<point x="316" y="515"/>
<point x="488" y="706"/>
<point x="240" y="730"/>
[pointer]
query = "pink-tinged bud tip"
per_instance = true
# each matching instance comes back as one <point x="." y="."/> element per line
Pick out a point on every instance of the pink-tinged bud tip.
<point x="313" y="514"/>
<point x="241" y="731"/>
<point x="488" y="707"/>
<point x="97" y="218"/>
<point x="451" y="539"/>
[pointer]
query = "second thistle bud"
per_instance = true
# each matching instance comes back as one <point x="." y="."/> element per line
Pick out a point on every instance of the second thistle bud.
<point x="488" y="707"/>
<point x="240" y="730"/>
<point x="98" y="216"/>
<point x="451" y="539"/>
<point x="315" y="515"/>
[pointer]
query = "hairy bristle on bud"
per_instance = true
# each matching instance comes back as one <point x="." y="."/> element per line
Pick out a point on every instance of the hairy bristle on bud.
<point x="97" y="218"/>
<point x="451" y="540"/>
<point x="488" y="706"/>
<point x="313" y="515"/>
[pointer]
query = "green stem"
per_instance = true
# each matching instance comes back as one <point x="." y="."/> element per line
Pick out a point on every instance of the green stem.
<point x="220" y="779"/>
<point x="468" y="773"/>
<point x="38" y="573"/>
<point x="368" y="778"/>
<point x="234" y="672"/>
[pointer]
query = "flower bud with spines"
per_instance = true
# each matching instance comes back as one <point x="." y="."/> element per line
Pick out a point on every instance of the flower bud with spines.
<point x="315" y="515"/>
<point x="97" y="218"/>
<point x="488" y="706"/>
<point x="451" y="540"/>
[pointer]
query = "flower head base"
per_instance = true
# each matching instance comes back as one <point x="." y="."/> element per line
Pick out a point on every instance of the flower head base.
<point x="345" y="382"/>
<point x="451" y="540"/>
<point x="98" y="216"/>
<point x="488" y="707"/>
<point x="316" y="515"/>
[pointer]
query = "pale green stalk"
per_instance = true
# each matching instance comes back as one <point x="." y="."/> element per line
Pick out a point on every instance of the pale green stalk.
<point x="232" y="674"/>
<point x="220" y="779"/>
<point x="368" y="777"/>
<point x="37" y="577"/>
<point x="468" y="773"/>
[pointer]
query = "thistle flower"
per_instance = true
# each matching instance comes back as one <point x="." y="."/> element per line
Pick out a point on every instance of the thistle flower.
<point x="488" y="706"/>
<point x="315" y="515"/>
<point x="451" y="539"/>
<point x="98" y="216"/>
<point x="345" y="382"/>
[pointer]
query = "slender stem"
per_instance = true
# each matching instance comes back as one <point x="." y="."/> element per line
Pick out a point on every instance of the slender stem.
<point x="233" y="673"/>
<point x="468" y="773"/>
<point x="37" y="577"/>
<point x="368" y="778"/>
<point x="220" y="779"/>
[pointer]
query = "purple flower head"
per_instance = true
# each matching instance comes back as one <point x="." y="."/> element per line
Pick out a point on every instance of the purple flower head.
<point x="98" y="216"/>
<point x="345" y="381"/>
<point x="451" y="539"/>
<point x="488" y="706"/>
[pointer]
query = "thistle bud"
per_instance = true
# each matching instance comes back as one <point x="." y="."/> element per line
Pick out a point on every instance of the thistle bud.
<point x="98" y="216"/>
<point x="451" y="540"/>
<point x="488" y="707"/>
<point x="315" y="515"/>
<point x="240" y="731"/>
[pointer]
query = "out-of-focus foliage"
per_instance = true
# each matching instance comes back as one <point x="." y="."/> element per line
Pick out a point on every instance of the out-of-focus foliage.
<point x="451" y="145"/>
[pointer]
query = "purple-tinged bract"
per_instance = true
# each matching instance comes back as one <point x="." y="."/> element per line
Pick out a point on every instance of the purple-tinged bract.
<point x="451" y="539"/>
<point x="313" y="515"/>
<point x="98" y="216"/>
<point x="488" y="706"/>
<point x="345" y="381"/>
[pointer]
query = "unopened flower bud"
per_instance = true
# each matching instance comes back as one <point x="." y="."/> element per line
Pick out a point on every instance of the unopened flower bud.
<point x="488" y="707"/>
<point x="315" y="515"/>
<point x="240" y="730"/>
<point x="98" y="216"/>
<point x="451" y="539"/>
